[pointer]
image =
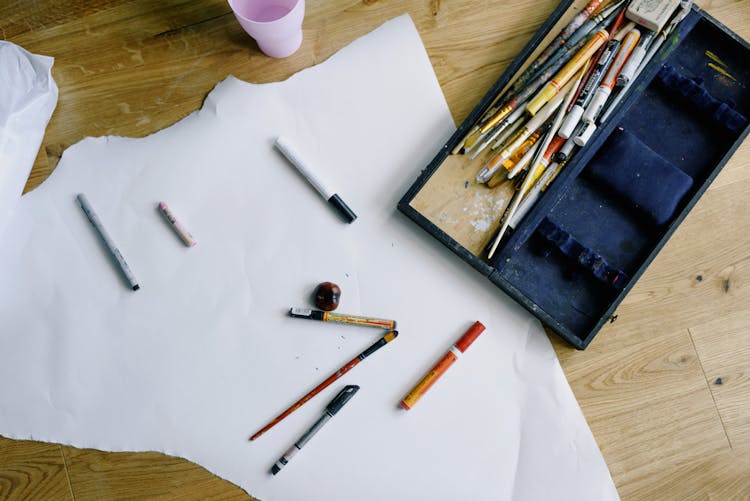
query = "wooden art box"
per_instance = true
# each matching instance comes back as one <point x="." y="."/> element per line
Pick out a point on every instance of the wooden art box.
<point x="592" y="232"/>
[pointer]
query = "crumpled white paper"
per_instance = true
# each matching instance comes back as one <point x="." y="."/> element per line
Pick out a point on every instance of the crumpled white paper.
<point x="28" y="95"/>
<point x="204" y="354"/>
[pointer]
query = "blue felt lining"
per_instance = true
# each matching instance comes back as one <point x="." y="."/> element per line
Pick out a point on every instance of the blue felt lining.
<point x="640" y="176"/>
<point x="580" y="255"/>
<point x="696" y="96"/>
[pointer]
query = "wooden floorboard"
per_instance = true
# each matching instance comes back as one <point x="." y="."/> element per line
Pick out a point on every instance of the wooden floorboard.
<point x="145" y="475"/>
<point x="724" y="348"/>
<point x="32" y="470"/>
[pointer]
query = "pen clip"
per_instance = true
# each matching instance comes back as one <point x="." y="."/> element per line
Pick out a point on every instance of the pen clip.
<point x="342" y="398"/>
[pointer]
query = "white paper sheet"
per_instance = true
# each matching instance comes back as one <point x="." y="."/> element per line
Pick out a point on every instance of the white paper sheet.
<point x="204" y="355"/>
<point x="28" y="95"/>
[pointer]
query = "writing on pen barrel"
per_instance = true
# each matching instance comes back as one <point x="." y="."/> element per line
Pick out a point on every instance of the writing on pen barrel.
<point x="331" y="409"/>
<point x="439" y="369"/>
<point x="285" y="148"/>
<point x="93" y="218"/>
<point x="328" y="316"/>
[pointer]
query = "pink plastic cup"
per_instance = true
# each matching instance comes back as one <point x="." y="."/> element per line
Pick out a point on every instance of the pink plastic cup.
<point x="275" y="24"/>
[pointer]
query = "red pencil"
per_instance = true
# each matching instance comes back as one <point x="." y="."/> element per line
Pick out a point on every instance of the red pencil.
<point x="390" y="336"/>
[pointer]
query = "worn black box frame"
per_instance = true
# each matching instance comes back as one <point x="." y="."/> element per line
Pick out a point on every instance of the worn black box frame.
<point x="518" y="269"/>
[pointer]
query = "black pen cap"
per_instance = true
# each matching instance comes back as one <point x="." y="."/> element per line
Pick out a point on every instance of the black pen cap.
<point x="343" y="209"/>
<point x="342" y="398"/>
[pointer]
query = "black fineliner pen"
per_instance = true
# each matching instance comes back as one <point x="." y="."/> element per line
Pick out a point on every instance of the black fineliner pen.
<point x="331" y="409"/>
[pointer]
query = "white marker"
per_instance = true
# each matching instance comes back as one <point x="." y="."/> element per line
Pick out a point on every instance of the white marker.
<point x="291" y="154"/>
<point x="111" y="246"/>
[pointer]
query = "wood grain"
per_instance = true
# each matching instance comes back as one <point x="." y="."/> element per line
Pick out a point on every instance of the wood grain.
<point x="725" y="357"/>
<point x="145" y="475"/>
<point x="32" y="470"/>
<point x="647" y="384"/>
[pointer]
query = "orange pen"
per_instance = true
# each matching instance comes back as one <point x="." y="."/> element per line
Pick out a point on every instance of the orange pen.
<point x="434" y="374"/>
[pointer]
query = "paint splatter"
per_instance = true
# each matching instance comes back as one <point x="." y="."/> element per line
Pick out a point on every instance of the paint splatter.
<point x="714" y="57"/>
<point x="725" y="285"/>
<point x="719" y="66"/>
<point x="482" y="215"/>
<point x="612" y="319"/>
<point x="699" y="278"/>
<point x="443" y="217"/>
<point x="722" y="71"/>
<point x="718" y="381"/>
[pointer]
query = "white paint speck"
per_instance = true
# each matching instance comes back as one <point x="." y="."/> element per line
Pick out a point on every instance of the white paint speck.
<point x="482" y="214"/>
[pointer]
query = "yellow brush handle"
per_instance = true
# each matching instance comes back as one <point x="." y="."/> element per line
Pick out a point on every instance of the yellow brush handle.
<point x="567" y="72"/>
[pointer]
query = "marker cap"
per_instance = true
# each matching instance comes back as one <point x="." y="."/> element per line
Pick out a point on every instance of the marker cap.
<point x="583" y="138"/>
<point x="631" y="65"/>
<point x="596" y="104"/>
<point x="342" y="398"/>
<point x="306" y="313"/>
<point x="567" y="148"/>
<point x="343" y="209"/>
<point x="570" y="122"/>
<point x="470" y="335"/>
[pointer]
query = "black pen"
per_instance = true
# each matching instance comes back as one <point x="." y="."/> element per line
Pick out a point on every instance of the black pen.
<point x="331" y="409"/>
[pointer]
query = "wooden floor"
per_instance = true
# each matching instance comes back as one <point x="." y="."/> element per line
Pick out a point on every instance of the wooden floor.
<point x="665" y="388"/>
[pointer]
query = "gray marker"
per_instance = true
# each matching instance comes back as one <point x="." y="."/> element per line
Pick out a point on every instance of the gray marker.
<point x="111" y="246"/>
<point x="331" y="409"/>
